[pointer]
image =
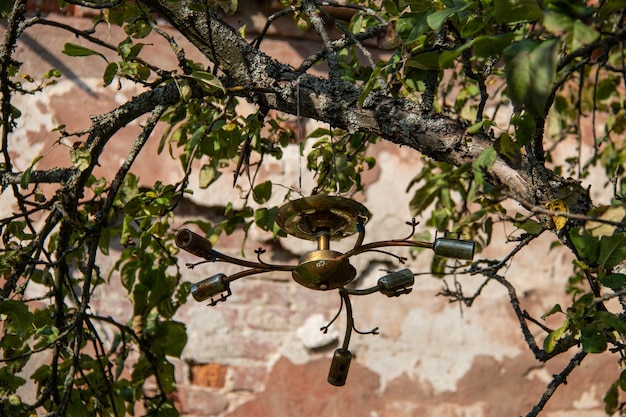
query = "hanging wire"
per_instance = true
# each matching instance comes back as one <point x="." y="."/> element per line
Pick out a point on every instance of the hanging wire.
<point x="332" y="148"/>
<point x="299" y="127"/>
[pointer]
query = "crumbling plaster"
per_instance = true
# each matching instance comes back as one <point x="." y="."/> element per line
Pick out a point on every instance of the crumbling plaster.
<point x="431" y="358"/>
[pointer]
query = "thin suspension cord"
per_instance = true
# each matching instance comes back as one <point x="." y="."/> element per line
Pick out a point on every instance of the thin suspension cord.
<point x="299" y="127"/>
<point x="332" y="148"/>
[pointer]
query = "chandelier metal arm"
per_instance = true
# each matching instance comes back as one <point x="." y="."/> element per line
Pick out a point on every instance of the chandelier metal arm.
<point x="345" y="296"/>
<point x="360" y="228"/>
<point x="265" y="267"/>
<point x="386" y="243"/>
<point x="246" y="273"/>
<point x="364" y="291"/>
<point x="197" y="245"/>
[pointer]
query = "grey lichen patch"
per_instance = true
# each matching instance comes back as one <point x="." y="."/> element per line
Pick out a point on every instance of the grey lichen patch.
<point x="352" y="122"/>
<point x="412" y="124"/>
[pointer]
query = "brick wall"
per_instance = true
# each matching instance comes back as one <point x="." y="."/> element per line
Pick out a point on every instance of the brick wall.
<point x="250" y="356"/>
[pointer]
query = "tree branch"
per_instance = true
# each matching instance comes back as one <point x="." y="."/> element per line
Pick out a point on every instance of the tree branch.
<point x="400" y="121"/>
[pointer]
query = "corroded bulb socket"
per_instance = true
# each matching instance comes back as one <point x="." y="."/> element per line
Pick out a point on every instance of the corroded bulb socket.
<point x="397" y="283"/>
<point x="454" y="248"/>
<point x="194" y="243"/>
<point x="339" y="367"/>
<point x="209" y="287"/>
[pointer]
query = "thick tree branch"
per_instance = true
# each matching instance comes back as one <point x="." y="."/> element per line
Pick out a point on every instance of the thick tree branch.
<point x="400" y="121"/>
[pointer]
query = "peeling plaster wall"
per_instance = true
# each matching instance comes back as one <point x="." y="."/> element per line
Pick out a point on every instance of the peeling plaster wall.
<point x="253" y="355"/>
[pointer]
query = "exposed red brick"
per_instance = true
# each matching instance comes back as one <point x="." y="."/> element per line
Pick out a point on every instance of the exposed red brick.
<point x="209" y="375"/>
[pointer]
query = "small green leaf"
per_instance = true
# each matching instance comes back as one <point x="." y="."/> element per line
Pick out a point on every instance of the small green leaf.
<point x="411" y="26"/>
<point x="483" y="164"/>
<point x="72" y="49"/>
<point x="208" y="174"/>
<point x="19" y="320"/>
<point x="262" y="192"/>
<point x="530" y="68"/>
<point x="612" y="250"/>
<point x="170" y="337"/>
<point x="9" y="382"/>
<point x="622" y="380"/>
<point x="586" y="245"/>
<point x="478" y="127"/>
<point x="513" y="11"/>
<point x="436" y="19"/>
<point x="369" y="85"/>
<point x="592" y="339"/>
<point x="614" y="281"/>
<point x="266" y="220"/>
<point x="209" y="82"/>
<point x="109" y="73"/>
<point x="554" y="336"/>
<point x="611" y="399"/>
<point x="555" y="309"/>
<point x="612" y="321"/>
<point x="25" y="180"/>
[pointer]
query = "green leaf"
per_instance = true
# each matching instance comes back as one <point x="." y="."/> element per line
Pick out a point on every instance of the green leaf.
<point x="592" y="339"/>
<point x="9" y="382"/>
<point x="581" y="35"/>
<point x="262" y="192"/>
<point x="369" y="85"/>
<point x="109" y="73"/>
<point x="432" y="60"/>
<point x="612" y="321"/>
<point x="209" y="82"/>
<point x="266" y="220"/>
<point x="614" y="281"/>
<point x="530" y="73"/>
<point x="478" y="127"/>
<point x="555" y="309"/>
<point x="492" y="45"/>
<point x="424" y="196"/>
<point x="170" y="338"/>
<point x="513" y="11"/>
<point x="612" y="250"/>
<point x="483" y="164"/>
<point x="622" y="380"/>
<point x="586" y="245"/>
<point x="72" y="49"/>
<point x="208" y="174"/>
<point x="19" y="320"/>
<point x="576" y="33"/>
<point x="25" y="180"/>
<point x="554" y="336"/>
<point x="436" y="19"/>
<point x="607" y="87"/>
<point x="411" y="26"/>
<point x="609" y="7"/>
<point x="611" y="400"/>
<point x="229" y="6"/>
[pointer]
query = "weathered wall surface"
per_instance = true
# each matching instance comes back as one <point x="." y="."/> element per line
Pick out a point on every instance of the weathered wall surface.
<point x="252" y="355"/>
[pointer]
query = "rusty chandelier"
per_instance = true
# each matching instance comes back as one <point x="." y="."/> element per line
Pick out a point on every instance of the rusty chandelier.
<point x="321" y="218"/>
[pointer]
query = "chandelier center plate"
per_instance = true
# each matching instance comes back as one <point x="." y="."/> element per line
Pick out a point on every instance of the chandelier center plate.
<point x="306" y="217"/>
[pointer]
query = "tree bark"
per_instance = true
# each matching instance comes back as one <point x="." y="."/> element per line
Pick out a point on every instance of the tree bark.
<point x="272" y="84"/>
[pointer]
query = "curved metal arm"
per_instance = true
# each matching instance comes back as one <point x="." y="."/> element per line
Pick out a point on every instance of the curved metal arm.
<point x="364" y="291"/>
<point x="201" y="247"/>
<point x="449" y="248"/>
<point x="386" y="243"/>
